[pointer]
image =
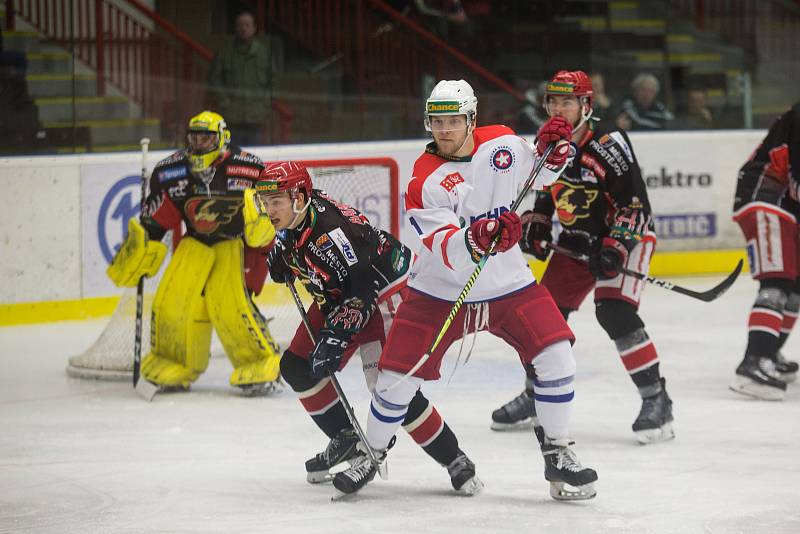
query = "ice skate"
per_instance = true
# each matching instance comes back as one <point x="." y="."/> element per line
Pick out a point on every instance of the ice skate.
<point x="340" y="449"/>
<point x="516" y="414"/>
<point x="786" y="369"/>
<point x="462" y="475"/>
<point x="654" y="422"/>
<point x="756" y="377"/>
<point x="569" y="481"/>
<point x="361" y="471"/>
<point x="261" y="389"/>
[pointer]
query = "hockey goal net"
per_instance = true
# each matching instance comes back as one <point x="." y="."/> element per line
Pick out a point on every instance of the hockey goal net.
<point x="368" y="184"/>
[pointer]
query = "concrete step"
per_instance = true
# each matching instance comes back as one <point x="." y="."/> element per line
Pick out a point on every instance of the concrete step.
<point x="53" y="109"/>
<point x="115" y="132"/>
<point x="61" y="85"/>
<point x="22" y="41"/>
<point x="49" y="63"/>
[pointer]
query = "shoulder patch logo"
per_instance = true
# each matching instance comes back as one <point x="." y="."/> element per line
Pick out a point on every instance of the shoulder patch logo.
<point x="502" y="159"/>
<point x="241" y="170"/>
<point x="324" y="242"/>
<point x="344" y="245"/>
<point x="451" y="181"/>
<point x="171" y="173"/>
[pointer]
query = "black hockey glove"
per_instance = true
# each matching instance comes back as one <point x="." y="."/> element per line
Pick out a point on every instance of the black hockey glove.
<point x="279" y="270"/>
<point x="327" y="353"/>
<point x="607" y="262"/>
<point x="537" y="232"/>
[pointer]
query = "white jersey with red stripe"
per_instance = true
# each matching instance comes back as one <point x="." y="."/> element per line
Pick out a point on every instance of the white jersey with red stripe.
<point x="445" y="196"/>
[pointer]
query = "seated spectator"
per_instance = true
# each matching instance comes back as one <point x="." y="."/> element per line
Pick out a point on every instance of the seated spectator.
<point x="696" y="116"/>
<point x="20" y="116"/>
<point x="642" y="110"/>
<point x="239" y="81"/>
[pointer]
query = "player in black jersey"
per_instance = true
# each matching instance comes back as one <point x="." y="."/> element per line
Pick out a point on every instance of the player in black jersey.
<point x="766" y="208"/>
<point x="357" y="277"/>
<point x="602" y="206"/>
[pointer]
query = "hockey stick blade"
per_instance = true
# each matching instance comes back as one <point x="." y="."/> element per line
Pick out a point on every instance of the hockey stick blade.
<point x="146" y="389"/>
<point x="705" y="296"/>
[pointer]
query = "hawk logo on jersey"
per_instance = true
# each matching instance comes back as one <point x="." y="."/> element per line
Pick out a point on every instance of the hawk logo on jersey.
<point x="572" y="201"/>
<point x="207" y="215"/>
<point x="502" y="159"/>
<point x="451" y="181"/>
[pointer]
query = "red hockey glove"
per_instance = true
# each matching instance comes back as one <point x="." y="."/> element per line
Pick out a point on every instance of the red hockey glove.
<point x="556" y="130"/>
<point x="481" y="232"/>
<point x="537" y="229"/>
<point x="607" y="263"/>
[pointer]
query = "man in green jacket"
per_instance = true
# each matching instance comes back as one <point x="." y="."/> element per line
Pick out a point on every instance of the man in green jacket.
<point x="240" y="80"/>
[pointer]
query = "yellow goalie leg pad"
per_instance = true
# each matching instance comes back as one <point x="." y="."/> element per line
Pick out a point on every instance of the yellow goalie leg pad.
<point x="180" y="337"/>
<point x="240" y="326"/>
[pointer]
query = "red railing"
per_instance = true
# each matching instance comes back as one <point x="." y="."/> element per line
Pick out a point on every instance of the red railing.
<point x="381" y="61"/>
<point x="135" y="50"/>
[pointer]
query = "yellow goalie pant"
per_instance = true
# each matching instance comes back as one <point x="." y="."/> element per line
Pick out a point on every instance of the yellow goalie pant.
<point x="204" y="286"/>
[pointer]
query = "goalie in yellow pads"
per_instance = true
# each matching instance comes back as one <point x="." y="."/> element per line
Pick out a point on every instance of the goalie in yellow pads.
<point x="216" y="269"/>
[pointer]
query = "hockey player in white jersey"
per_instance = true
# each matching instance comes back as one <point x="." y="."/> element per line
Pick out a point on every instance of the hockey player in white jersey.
<point x="457" y="202"/>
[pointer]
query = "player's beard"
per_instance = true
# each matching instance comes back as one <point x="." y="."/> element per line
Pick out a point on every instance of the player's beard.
<point x="450" y="146"/>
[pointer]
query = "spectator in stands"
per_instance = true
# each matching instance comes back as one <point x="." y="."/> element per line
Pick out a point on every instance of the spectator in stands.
<point x="445" y="18"/>
<point x="240" y="81"/>
<point x="643" y="110"/>
<point x="601" y="102"/>
<point x="696" y="115"/>
<point x="19" y="116"/>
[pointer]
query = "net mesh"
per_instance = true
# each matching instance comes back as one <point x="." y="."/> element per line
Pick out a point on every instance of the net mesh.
<point x="369" y="187"/>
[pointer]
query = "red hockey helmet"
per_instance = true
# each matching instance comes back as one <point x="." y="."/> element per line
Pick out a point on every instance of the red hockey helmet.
<point x="284" y="176"/>
<point x="571" y="83"/>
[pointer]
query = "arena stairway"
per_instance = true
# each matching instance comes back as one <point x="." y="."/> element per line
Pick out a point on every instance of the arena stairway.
<point x="72" y="115"/>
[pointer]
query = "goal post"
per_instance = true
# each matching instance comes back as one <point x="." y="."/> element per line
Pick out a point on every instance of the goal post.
<point x="371" y="185"/>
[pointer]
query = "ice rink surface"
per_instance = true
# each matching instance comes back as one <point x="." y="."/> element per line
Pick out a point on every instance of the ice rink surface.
<point x="85" y="456"/>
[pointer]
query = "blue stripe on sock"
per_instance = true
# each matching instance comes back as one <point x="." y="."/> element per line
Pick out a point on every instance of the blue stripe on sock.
<point x="388" y="405"/>
<point x="385" y="418"/>
<point x="554" y="383"/>
<point x="555" y="398"/>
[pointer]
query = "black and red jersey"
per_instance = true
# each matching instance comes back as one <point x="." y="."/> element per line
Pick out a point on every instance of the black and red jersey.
<point x="600" y="193"/>
<point x="771" y="170"/>
<point x="346" y="264"/>
<point x="211" y="208"/>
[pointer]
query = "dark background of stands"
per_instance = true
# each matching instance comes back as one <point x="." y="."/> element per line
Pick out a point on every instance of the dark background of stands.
<point x="359" y="70"/>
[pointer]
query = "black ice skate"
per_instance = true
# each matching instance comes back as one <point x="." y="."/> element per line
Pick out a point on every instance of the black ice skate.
<point x="462" y="475"/>
<point x="569" y="481"/>
<point x="786" y="369"/>
<point x="516" y="414"/>
<point x="361" y="471"/>
<point x="340" y="449"/>
<point x="654" y="422"/>
<point x="756" y="377"/>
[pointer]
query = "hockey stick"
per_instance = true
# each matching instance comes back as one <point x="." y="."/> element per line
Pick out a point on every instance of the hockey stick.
<point x="474" y="276"/>
<point x="705" y="296"/>
<point x="382" y="470"/>
<point x="144" y="388"/>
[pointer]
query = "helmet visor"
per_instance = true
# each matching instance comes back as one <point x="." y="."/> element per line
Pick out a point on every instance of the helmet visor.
<point x="202" y="142"/>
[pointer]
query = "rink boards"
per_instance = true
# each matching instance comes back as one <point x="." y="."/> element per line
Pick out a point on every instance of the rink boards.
<point x="55" y="233"/>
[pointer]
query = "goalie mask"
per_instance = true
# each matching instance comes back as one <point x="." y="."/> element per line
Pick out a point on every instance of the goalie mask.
<point x="571" y="83"/>
<point x="208" y="138"/>
<point x="451" y="97"/>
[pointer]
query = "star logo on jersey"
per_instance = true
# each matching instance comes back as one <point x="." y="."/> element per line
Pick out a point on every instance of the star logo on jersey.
<point x="572" y="201"/>
<point x="502" y="159"/>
